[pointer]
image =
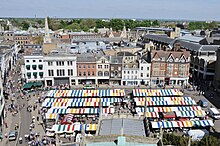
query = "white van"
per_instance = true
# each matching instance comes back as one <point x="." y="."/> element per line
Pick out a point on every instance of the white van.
<point x="214" y="113"/>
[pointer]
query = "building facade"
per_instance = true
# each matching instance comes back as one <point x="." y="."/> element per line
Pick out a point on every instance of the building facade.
<point x="170" y="67"/>
<point x="102" y="69"/>
<point x="60" y="69"/>
<point x="115" y="70"/>
<point x="144" y="71"/>
<point x="86" y="70"/>
<point x="34" y="68"/>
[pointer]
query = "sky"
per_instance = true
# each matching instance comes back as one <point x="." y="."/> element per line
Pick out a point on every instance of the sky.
<point x="134" y="9"/>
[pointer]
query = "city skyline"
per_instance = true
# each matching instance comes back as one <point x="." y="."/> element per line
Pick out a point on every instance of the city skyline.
<point x="157" y="9"/>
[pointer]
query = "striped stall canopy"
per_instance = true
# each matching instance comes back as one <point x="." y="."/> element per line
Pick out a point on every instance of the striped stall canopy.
<point x="70" y="128"/>
<point x="152" y="114"/>
<point x="88" y="104"/>
<point x="80" y="111"/>
<point x="164" y="103"/>
<point x="156" y="92"/>
<point x="57" y="110"/>
<point x="50" y="116"/>
<point x="198" y="113"/>
<point x="162" y="98"/>
<point x="186" y="124"/>
<point x="169" y="109"/>
<point x="86" y="93"/>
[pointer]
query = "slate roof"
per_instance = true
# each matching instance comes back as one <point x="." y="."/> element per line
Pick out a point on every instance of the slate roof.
<point x="116" y="59"/>
<point x="160" y="38"/>
<point x="81" y="59"/>
<point x="195" y="46"/>
<point x="125" y="54"/>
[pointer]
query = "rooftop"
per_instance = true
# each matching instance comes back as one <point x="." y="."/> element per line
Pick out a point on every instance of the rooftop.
<point x="160" y="38"/>
<point x="114" y="140"/>
<point x="134" y="127"/>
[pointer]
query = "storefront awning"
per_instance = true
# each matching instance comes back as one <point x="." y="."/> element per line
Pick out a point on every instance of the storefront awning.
<point x="28" y="85"/>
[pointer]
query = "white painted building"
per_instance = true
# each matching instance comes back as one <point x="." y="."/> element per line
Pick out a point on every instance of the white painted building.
<point x="60" y="69"/>
<point x="130" y="74"/>
<point x="144" y="72"/>
<point x="33" y="68"/>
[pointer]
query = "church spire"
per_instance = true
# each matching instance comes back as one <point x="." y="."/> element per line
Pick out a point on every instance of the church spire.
<point x="47" y="38"/>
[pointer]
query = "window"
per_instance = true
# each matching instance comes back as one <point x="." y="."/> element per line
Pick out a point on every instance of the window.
<point x="147" y="75"/>
<point x="148" y="68"/>
<point x="106" y="66"/>
<point x="93" y="73"/>
<point x="79" y="66"/>
<point x="28" y="67"/>
<point x="40" y="66"/>
<point x="80" y="74"/>
<point x="88" y="73"/>
<point x="40" y="60"/>
<point x="69" y="63"/>
<point x="103" y="60"/>
<point x="88" y="65"/>
<point x="34" y="67"/>
<point x="132" y="72"/>
<point x="100" y="73"/>
<point x="70" y="72"/>
<point x="141" y="74"/>
<point x="99" y="66"/>
<point x="58" y="72"/>
<point x="124" y="72"/>
<point x="84" y="73"/>
<point x="34" y="60"/>
<point x="128" y="72"/>
<point x="142" y="68"/>
<point x="27" y="61"/>
<point x="60" y="63"/>
<point x="106" y="73"/>
<point x="50" y="63"/>
<point x="93" y="66"/>
<point x="84" y="66"/>
<point x="50" y="72"/>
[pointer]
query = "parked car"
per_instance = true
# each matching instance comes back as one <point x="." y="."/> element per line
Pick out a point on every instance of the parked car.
<point x="203" y="103"/>
<point x="12" y="135"/>
<point x="214" y="113"/>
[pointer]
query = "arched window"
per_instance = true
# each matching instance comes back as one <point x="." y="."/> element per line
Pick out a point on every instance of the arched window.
<point x="100" y="73"/>
<point x="106" y="73"/>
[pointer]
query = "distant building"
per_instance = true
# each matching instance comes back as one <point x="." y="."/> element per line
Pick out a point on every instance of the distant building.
<point x="102" y="69"/>
<point x="60" y="68"/>
<point x="129" y="68"/>
<point x="170" y="67"/>
<point x="86" y="69"/>
<point x="115" y="70"/>
<point x="34" y="67"/>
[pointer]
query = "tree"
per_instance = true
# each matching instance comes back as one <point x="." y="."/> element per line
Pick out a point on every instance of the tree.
<point x="25" y="25"/>
<point x="210" y="141"/>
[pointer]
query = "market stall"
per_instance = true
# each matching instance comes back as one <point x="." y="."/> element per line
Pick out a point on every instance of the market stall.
<point x="185" y="124"/>
<point x="156" y="92"/>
